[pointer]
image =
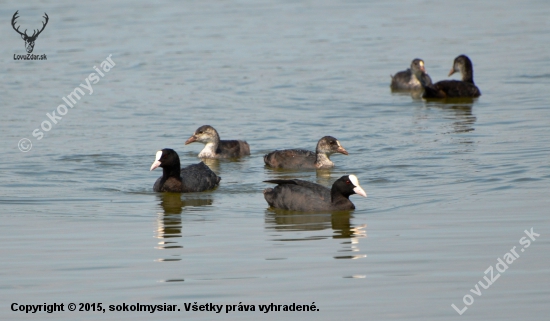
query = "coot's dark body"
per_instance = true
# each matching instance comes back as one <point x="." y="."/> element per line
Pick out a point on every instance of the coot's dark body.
<point x="304" y="196"/>
<point x="193" y="178"/>
<point x="291" y="159"/>
<point x="304" y="159"/>
<point x="451" y="89"/>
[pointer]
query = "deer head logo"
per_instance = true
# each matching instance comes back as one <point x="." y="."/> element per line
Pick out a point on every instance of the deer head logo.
<point x="29" y="40"/>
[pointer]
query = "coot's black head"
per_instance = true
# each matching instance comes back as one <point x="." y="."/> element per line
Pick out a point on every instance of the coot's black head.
<point x="417" y="65"/>
<point x="348" y="185"/>
<point x="462" y="64"/>
<point x="204" y="134"/>
<point x="166" y="158"/>
<point x="330" y="145"/>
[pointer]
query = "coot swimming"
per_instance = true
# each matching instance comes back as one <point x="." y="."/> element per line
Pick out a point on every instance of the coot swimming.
<point x="454" y="88"/>
<point x="216" y="148"/>
<point x="410" y="79"/>
<point x="299" y="195"/>
<point x="193" y="178"/>
<point x="300" y="158"/>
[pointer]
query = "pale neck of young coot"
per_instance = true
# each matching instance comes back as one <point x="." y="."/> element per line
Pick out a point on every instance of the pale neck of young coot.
<point x="323" y="160"/>
<point x="211" y="147"/>
<point x="414" y="80"/>
<point x="209" y="150"/>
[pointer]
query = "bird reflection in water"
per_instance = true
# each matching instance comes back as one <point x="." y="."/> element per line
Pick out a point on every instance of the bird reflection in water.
<point x="290" y="222"/>
<point x="457" y="110"/>
<point x="463" y="120"/>
<point x="170" y="220"/>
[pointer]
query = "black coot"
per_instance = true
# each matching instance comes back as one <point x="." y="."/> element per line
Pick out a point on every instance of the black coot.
<point x="298" y="195"/>
<point x="216" y="148"/>
<point x="300" y="158"/>
<point x="193" y="178"/>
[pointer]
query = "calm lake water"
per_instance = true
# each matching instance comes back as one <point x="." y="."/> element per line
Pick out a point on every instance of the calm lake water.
<point x="452" y="186"/>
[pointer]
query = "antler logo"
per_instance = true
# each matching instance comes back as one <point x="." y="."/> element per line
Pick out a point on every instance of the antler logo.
<point x="29" y="40"/>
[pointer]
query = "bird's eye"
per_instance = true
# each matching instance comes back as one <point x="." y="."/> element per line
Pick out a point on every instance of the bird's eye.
<point x="348" y="182"/>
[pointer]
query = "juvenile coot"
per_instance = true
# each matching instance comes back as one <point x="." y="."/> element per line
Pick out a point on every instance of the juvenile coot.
<point x="298" y="195"/>
<point x="410" y="79"/>
<point x="454" y="88"/>
<point x="216" y="148"/>
<point x="300" y="158"/>
<point x="193" y="178"/>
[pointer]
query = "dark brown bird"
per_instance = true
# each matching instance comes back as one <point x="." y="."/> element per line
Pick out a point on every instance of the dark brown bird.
<point x="454" y="88"/>
<point x="300" y="158"/>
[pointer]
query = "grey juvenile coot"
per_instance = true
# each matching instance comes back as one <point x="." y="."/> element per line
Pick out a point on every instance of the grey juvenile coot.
<point x="193" y="178"/>
<point x="216" y="148"/>
<point x="455" y="88"/>
<point x="300" y="158"/>
<point x="410" y="79"/>
<point x="298" y="195"/>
